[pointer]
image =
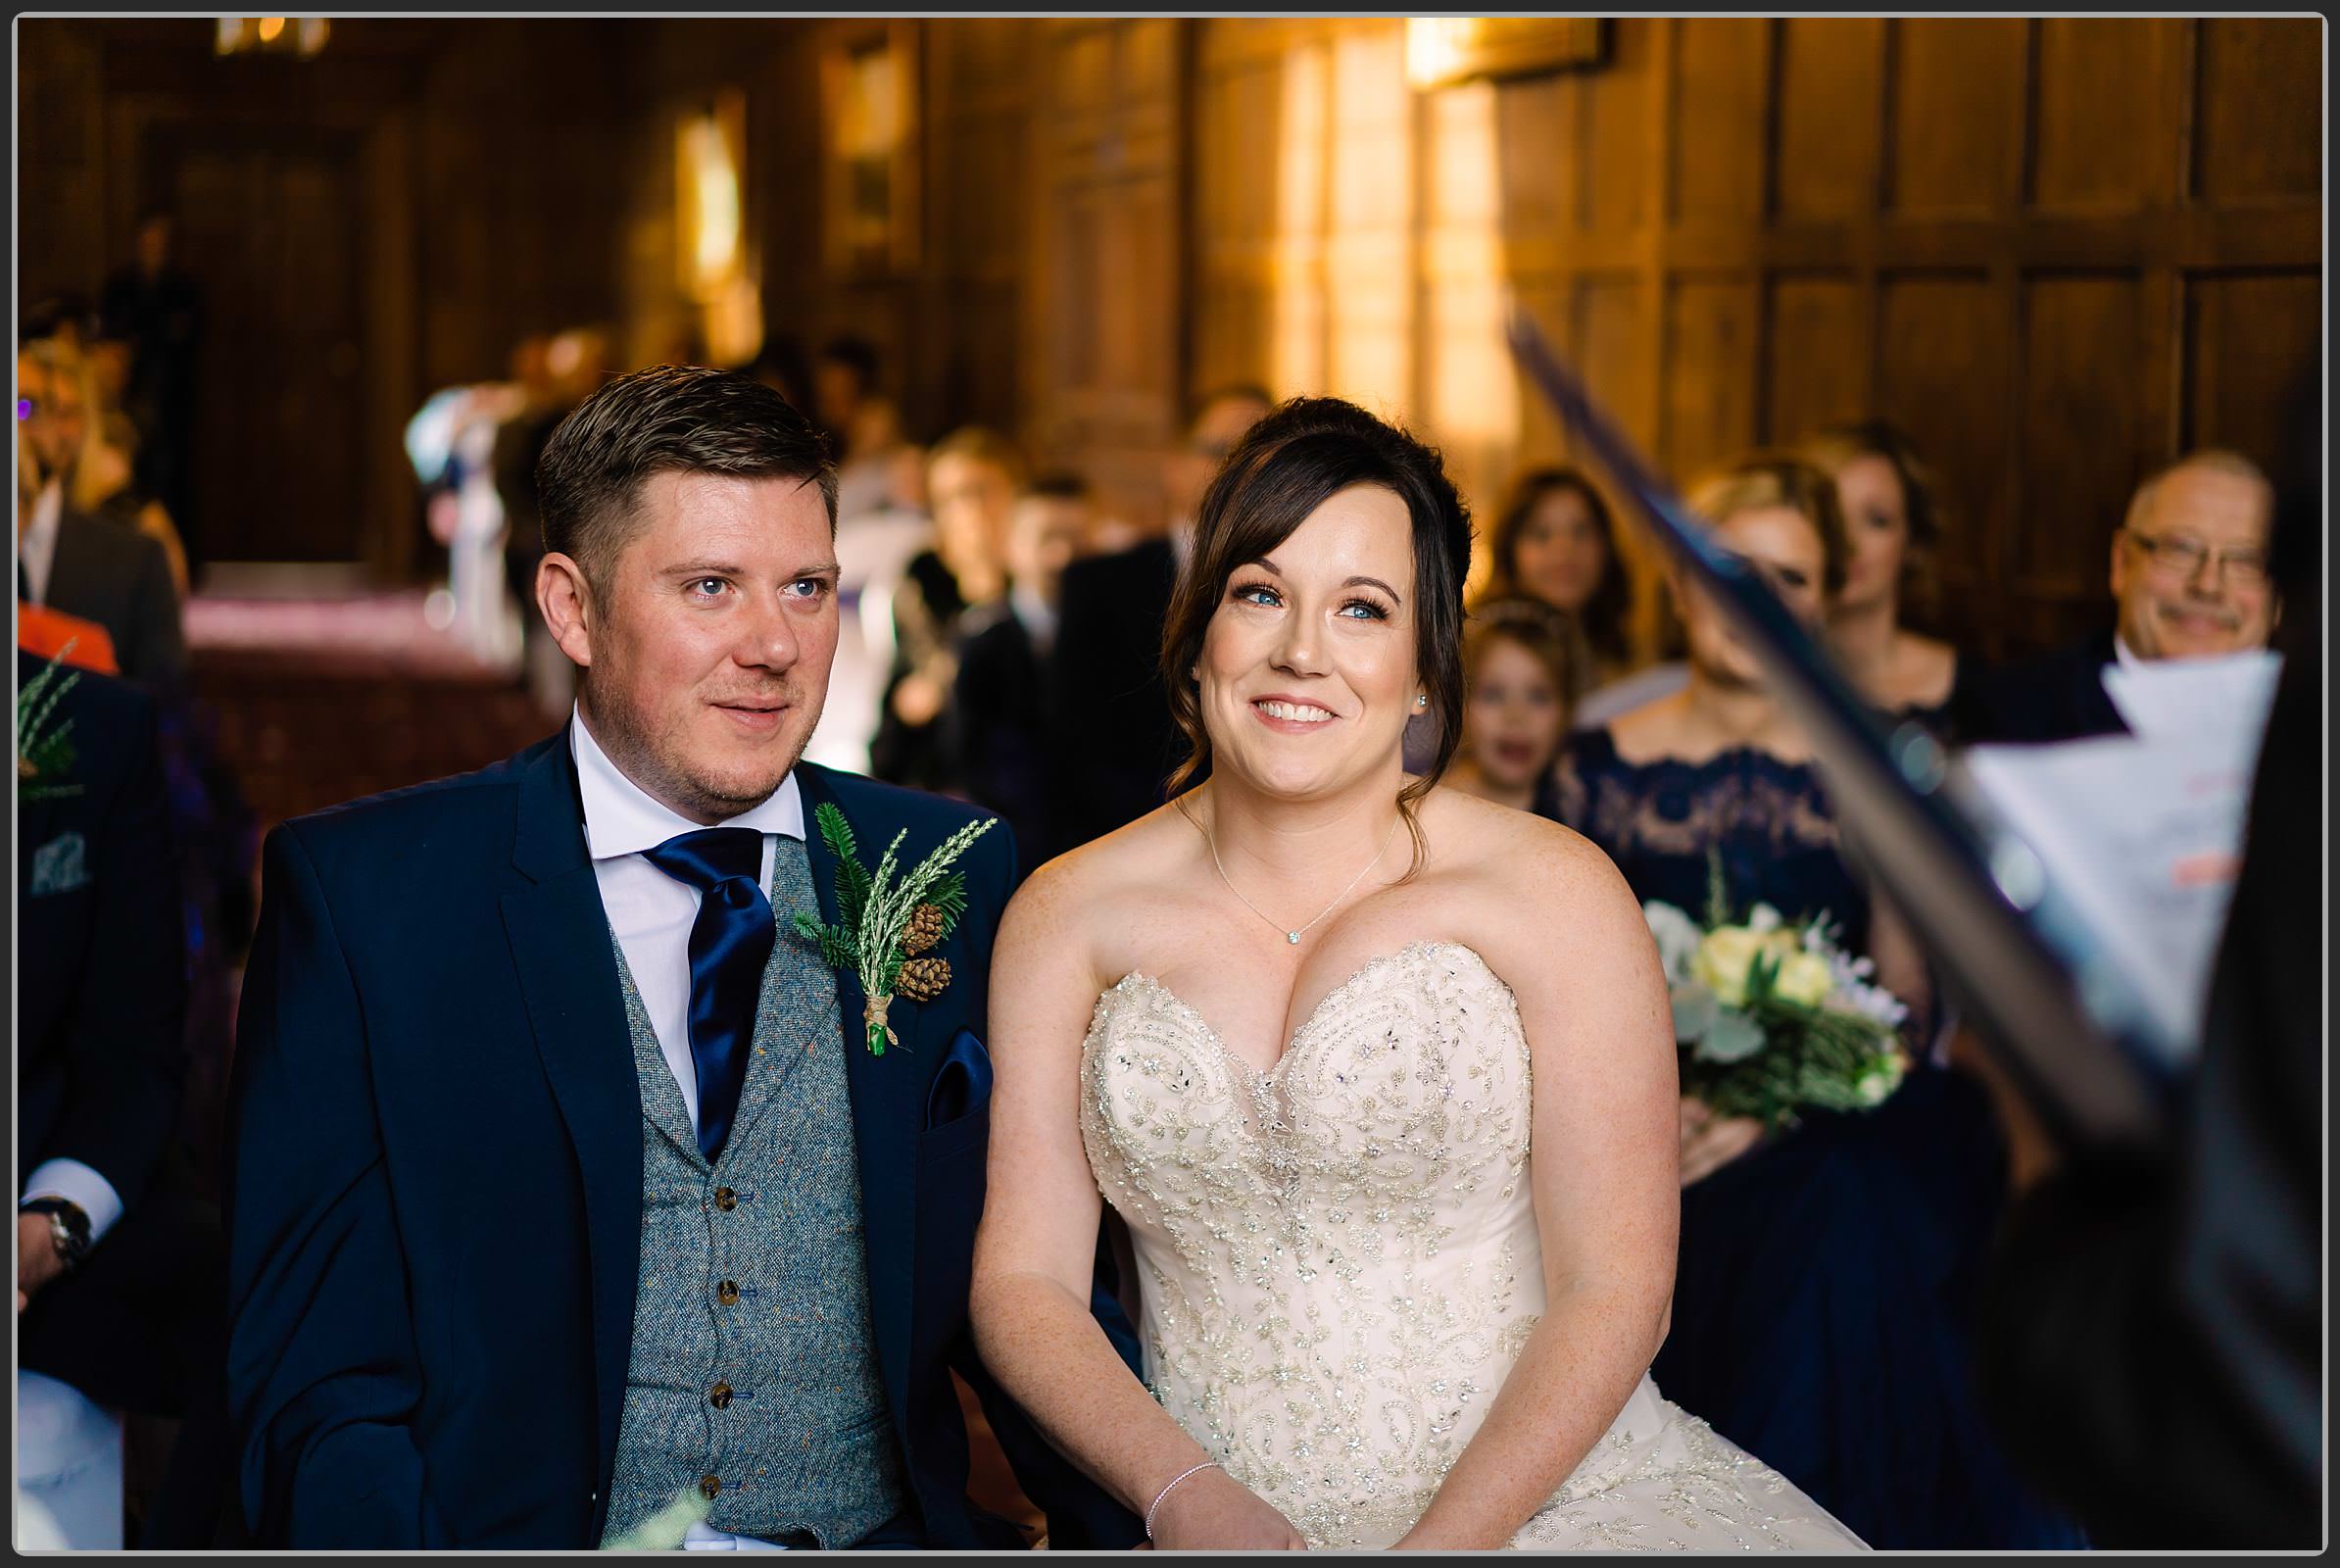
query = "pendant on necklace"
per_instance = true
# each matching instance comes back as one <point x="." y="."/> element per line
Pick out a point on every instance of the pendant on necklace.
<point x="1293" y="936"/>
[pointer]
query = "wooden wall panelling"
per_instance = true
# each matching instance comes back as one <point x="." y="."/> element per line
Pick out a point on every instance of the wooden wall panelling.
<point x="1958" y="112"/>
<point x="1943" y="374"/>
<point x="2107" y="112"/>
<point x="1710" y="370"/>
<point x="1830" y="109"/>
<point x="1718" y="132"/>
<point x="2258" y="102"/>
<point x="1110" y="112"/>
<point x="2082" y="449"/>
<point x="2249" y="339"/>
<point x="1816" y="357"/>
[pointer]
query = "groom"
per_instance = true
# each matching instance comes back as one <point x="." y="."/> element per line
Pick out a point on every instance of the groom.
<point x="567" y="1201"/>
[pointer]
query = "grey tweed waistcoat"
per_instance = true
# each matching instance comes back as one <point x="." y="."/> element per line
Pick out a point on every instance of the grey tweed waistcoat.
<point x="753" y="1374"/>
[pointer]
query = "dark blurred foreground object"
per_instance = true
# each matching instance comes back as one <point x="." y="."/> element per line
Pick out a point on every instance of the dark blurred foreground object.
<point x="2151" y="1340"/>
<point x="136" y="1324"/>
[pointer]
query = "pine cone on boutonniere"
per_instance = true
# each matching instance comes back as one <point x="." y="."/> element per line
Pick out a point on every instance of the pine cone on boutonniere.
<point x="925" y="930"/>
<point x="886" y="915"/>
<point x="923" y="979"/>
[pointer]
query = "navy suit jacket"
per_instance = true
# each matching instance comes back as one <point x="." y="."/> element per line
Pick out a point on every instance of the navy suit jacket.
<point x="435" y="1179"/>
<point x="2057" y="696"/>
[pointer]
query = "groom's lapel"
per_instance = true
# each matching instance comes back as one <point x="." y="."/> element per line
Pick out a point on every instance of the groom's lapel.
<point x="886" y="1096"/>
<point x="561" y="948"/>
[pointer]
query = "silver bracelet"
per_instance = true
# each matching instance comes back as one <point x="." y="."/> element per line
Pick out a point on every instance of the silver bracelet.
<point x="1207" y="1464"/>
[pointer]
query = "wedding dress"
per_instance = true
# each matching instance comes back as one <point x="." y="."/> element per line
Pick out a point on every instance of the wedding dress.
<point x="1339" y="1263"/>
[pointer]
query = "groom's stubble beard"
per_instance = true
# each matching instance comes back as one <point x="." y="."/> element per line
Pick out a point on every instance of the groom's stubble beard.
<point x="665" y="771"/>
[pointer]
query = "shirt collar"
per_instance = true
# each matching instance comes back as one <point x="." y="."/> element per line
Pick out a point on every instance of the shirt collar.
<point x="2125" y="656"/>
<point x="623" y="818"/>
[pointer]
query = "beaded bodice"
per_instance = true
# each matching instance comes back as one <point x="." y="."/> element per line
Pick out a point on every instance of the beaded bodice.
<point x="1338" y="1256"/>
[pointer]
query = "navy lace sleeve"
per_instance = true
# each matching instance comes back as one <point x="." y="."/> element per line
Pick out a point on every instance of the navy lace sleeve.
<point x="1660" y="821"/>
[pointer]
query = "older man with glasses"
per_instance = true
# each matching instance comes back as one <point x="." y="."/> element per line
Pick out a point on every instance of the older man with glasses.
<point x="2189" y="575"/>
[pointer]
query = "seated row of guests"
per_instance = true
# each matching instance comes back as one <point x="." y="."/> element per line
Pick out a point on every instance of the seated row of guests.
<point x="1824" y="1294"/>
<point x="2188" y="575"/>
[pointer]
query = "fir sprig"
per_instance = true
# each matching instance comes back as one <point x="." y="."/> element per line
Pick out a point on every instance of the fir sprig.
<point x="874" y="907"/>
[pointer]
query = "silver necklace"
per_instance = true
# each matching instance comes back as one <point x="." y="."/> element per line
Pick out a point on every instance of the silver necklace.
<point x="1291" y="936"/>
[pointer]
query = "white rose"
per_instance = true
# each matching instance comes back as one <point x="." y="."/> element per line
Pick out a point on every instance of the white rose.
<point x="1804" y="978"/>
<point x="1676" y="936"/>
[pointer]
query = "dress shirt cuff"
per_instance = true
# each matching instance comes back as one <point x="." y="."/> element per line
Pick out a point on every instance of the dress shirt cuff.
<point x="80" y="1186"/>
<point x="705" y="1538"/>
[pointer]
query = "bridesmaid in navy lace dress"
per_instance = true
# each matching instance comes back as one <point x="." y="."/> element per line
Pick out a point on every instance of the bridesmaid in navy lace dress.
<point x="1820" y="1299"/>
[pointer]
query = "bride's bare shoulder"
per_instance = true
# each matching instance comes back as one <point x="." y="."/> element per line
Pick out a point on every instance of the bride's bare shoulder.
<point x="1525" y="875"/>
<point x="1106" y="879"/>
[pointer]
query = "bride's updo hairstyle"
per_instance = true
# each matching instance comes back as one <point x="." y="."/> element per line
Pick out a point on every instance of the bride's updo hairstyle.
<point x="1290" y="462"/>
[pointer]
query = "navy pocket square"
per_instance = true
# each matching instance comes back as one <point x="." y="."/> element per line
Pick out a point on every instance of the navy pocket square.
<point x="963" y="1084"/>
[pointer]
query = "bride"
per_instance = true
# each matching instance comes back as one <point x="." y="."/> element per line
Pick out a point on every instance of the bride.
<point x="1304" y="1027"/>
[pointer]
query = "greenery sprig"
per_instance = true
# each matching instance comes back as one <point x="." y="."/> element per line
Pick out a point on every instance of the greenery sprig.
<point x="887" y="918"/>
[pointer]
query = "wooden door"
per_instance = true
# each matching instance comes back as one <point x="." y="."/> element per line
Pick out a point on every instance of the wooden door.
<point x="268" y="225"/>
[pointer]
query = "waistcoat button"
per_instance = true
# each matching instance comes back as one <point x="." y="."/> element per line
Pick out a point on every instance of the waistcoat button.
<point x="726" y="1199"/>
<point x="728" y="1293"/>
<point x="719" y="1397"/>
<point x="708" y="1486"/>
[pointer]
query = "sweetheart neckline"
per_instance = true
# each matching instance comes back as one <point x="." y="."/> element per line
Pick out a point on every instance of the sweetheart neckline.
<point x="1267" y="1075"/>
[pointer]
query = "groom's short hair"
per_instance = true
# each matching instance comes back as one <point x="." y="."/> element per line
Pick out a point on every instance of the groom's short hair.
<point x="668" y="417"/>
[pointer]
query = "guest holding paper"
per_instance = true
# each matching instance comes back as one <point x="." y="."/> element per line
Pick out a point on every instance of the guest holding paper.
<point x="2189" y="579"/>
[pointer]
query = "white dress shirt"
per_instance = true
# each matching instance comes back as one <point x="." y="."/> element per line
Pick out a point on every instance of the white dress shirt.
<point x="651" y="912"/>
<point x="37" y="549"/>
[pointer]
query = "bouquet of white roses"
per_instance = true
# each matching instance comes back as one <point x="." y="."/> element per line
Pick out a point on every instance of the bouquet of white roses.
<point x="1772" y="1014"/>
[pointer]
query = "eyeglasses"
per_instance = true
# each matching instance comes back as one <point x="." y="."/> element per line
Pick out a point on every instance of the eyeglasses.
<point x="2179" y="557"/>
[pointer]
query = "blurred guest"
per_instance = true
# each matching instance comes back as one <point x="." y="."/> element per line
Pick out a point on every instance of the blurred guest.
<point x="875" y="548"/>
<point x="155" y="306"/>
<point x="104" y="475"/>
<point x="2189" y="580"/>
<point x="972" y="476"/>
<point x="1821" y="1307"/>
<point x="1554" y="540"/>
<point x="849" y="402"/>
<point x="121" y="1284"/>
<point x="783" y="365"/>
<point x="100" y="568"/>
<point x="2152" y="1336"/>
<point x="998" y="709"/>
<point x="1520" y="658"/>
<point x="1115" y="742"/>
<point x="1893" y="520"/>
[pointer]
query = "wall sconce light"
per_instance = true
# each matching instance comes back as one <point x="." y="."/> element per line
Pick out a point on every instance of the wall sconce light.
<point x="303" y="36"/>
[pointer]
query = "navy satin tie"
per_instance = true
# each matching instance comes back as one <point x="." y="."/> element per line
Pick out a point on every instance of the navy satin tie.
<point x="730" y="942"/>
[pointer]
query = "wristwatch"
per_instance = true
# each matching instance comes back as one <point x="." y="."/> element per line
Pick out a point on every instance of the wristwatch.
<point x="69" y="1226"/>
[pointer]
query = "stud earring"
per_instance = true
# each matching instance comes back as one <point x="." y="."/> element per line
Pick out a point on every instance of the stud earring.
<point x="1421" y="699"/>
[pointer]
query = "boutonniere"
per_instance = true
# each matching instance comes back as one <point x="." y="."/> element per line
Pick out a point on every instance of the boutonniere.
<point x="886" y="918"/>
<point x="44" y="750"/>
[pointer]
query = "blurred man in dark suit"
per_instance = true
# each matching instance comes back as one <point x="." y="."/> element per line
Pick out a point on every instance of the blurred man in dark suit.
<point x="998" y="717"/>
<point x="2190" y="580"/>
<point x="1114" y="741"/>
<point x="99" y="568"/>
<point x="2152" y="1339"/>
